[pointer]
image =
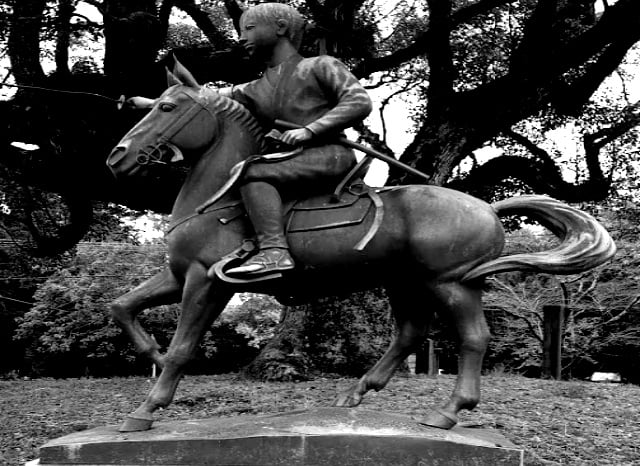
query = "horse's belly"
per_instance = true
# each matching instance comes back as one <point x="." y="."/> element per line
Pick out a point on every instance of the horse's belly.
<point x="439" y="231"/>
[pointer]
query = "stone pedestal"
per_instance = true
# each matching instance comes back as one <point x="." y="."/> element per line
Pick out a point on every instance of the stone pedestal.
<point x="321" y="436"/>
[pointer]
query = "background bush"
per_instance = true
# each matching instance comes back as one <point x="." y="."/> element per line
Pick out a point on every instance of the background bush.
<point x="69" y="332"/>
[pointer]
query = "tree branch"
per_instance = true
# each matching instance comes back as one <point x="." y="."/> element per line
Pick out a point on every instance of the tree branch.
<point x="534" y="330"/>
<point x="202" y="20"/>
<point x="421" y="43"/>
<point x="538" y="151"/>
<point x="335" y="23"/>
<point x="24" y="41"/>
<point x="235" y="12"/>
<point x="385" y="102"/>
<point x="373" y="139"/>
<point x="87" y="21"/>
<point x="440" y="58"/>
<point x="519" y="94"/>
<point x="467" y="13"/>
<point x="80" y="214"/>
<point x="569" y="98"/>
<point x="63" y="29"/>
<point x="164" y="12"/>
<point x="540" y="177"/>
<point x="595" y="141"/>
<point x="619" y="23"/>
<point x="537" y="45"/>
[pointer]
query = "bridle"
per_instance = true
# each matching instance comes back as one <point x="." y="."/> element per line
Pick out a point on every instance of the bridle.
<point x="152" y="154"/>
<point x="119" y="101"/>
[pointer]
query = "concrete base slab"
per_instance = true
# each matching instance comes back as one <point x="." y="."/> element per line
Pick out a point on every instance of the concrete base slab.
<point x="320" y="436"/>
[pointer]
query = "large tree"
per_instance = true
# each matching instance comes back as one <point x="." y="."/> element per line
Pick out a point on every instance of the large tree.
<point x="481" y="68"/>
<point x="480" y="72"/>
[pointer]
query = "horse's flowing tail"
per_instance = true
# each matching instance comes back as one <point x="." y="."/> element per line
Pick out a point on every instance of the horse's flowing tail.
<point x="584" y="242"/>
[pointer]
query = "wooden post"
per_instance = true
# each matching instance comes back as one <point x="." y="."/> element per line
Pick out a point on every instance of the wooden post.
<point x="427" y="359"/>
<point x="434" y="365"/>
<point x="153" y="365"/>
<point x="422" y="360"/>
<point x="552" y="341"/>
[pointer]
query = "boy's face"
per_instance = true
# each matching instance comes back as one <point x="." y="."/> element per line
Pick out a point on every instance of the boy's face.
<point x="258" y="35"/>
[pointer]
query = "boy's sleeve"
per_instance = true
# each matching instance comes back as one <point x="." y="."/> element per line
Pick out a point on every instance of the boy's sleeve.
<point x="352" y="101"/>
<point x="239" y="92"/>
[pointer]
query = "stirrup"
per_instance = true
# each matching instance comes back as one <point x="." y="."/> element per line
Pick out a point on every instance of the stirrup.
<point x="234" y="259"/>
<point x="267" y="261"/>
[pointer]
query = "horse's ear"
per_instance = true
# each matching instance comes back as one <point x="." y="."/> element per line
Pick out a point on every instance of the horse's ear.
<point x="172" y="79"/>
<point x="138" y="102"/>
<point x="183" y="74"/>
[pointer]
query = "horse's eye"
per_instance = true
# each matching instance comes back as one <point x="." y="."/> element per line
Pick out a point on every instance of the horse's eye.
<point x="165" y="107"/>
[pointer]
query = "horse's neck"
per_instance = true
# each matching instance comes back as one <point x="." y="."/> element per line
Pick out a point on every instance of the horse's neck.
<point x="211" y="171"/>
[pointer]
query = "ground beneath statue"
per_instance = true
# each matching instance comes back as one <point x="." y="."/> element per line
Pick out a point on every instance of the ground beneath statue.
<point x="568" y="423"/>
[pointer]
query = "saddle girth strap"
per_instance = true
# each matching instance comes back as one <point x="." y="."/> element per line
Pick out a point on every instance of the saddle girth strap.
<point x="377" y="220"/>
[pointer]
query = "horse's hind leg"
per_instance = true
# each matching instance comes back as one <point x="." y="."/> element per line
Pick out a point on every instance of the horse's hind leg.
<point x="412" y="320"/>
<point x="463" y="303"/>
<point x="160" y="289"/>
<point x="202" y="301"/>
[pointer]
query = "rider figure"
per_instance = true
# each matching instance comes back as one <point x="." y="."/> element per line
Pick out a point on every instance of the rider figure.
<point x="321" y="96"/>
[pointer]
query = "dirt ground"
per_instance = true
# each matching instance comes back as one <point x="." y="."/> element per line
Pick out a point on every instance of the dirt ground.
<point x="557" y="423"/>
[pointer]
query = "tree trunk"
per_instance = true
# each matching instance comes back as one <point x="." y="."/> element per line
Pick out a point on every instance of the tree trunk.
<point x="284" y="358"/>
<point x="330" y="335"/>
<point x="63" y="30"/>
<point x="132" y="39"/>
<point x="24" y="41"/>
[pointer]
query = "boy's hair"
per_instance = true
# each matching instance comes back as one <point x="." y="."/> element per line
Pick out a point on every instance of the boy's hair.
<point x="276" y="11"/>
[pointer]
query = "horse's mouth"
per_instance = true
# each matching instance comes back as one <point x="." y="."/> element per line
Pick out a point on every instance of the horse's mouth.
<point x="117" y="163"/>
<point x="120" y="171"/>
<point x="117" y="155"/>
<point x="122" y="174"/>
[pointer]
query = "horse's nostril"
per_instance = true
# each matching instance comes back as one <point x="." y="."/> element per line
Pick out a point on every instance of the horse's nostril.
<point x="116" y="155"/>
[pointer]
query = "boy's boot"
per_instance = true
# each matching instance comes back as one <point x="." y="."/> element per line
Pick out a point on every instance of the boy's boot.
<point x="264" y="208"/>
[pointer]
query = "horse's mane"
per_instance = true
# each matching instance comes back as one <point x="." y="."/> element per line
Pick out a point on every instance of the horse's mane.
<point x="234" y="110"/>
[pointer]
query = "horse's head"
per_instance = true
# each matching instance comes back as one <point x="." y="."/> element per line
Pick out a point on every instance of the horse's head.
<point x="179" y="121"/>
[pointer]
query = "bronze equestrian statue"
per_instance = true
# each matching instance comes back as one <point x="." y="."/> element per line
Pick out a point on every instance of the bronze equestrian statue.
<point x="429" y="246"/>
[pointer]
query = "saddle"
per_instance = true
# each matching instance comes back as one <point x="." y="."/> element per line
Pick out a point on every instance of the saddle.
<point x="327" y="212"/>
<point x="338" y="210"/>
<point x="348" y="205"/>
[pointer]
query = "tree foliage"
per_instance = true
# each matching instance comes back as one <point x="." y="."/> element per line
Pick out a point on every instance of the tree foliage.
<point x="602" y="310"/>
<point x="23" y="268"/>
<point x="479" y="72"/>
<point x="68" y="331"/>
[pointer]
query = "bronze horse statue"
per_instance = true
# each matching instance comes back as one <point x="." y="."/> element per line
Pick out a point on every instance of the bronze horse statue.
<point x="431" y="248"/>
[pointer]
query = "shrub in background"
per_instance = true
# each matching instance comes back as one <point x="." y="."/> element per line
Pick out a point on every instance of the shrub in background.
<point x="69" y="332"/>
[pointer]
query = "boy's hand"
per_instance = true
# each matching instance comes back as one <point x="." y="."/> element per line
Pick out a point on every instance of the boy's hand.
<point x="295" y="137"/>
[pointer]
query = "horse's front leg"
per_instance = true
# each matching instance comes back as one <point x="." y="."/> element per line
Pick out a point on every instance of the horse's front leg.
<point x="202" y="301"/>
<point x="162" y="288"/>
<point x="464" y="304"/>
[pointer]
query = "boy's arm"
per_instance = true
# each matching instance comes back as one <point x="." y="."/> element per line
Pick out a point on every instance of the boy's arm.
<point x="353" y="103"/>
<point x="236" y="92"/>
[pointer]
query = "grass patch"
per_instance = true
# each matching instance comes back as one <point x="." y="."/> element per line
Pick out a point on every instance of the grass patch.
<point x="557" y="423"/>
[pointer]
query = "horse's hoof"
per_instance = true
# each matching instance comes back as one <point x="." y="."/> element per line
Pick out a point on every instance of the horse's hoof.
<point x="136" y="424"/>
<point x="347" y="400"/>
<point x="440" y="418"/>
